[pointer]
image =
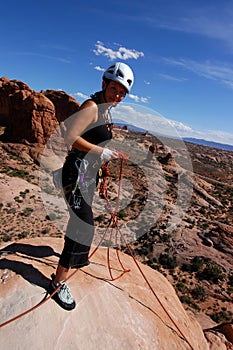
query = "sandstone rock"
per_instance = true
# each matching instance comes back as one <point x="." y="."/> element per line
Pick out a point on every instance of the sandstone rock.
<point x="32" y="119"/>
<point x="121" y="314"/>
<point x="226" y="329"/>
<point x="217" y="341"/>
<point x="10" y="91"/>
<point x="10" y="187"/>
<point x="65" y="105"/>
<point x="31" y="116"/>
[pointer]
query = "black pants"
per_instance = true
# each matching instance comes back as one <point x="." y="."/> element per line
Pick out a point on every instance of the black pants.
<point x="80" y="228"/>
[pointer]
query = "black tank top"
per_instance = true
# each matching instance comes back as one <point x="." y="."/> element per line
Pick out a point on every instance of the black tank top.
<point x="98" y="133"/>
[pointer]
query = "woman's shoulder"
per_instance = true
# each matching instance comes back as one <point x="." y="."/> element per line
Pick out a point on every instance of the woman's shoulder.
<point x="88" y="103"/>
<point x="89" y="111"/>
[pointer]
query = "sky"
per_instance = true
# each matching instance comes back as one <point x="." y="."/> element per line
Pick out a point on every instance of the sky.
<point x="181" y="53"/>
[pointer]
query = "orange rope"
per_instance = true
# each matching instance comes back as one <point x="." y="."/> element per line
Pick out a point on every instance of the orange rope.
<point x="114" y="224"/>
<point x="155" y="295"/>
<point x="57" y="289"/>
<point x="36" y="306"/>
<point x="114" y="219"/>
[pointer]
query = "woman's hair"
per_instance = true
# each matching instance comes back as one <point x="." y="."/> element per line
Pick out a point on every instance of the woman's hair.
<point x="107" y="81"/>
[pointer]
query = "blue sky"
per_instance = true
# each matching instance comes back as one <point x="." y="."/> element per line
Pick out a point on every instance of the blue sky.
<point x="181" y="53"/>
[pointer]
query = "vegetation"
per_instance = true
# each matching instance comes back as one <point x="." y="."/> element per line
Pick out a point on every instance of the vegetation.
<point x="212" y="273"/>
<point x="167" y="261"/>
<point x="197" y="280"/>
<point x="199" y="293"/>
<point x="221" y="316"/>
<point x="122" y="214"/>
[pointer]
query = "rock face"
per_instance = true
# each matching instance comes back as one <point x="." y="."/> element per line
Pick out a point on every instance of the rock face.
<point x="120" y="314"/>
<point x="31" y="116"/>
<point x="123" y="314"/>
<point x="65" y="105"/>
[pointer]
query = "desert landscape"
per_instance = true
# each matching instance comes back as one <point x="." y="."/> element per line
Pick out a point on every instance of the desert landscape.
<point x="175" y="211"/>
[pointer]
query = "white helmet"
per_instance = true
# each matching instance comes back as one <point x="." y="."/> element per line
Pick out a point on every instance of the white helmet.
<point x="121" y="73"/>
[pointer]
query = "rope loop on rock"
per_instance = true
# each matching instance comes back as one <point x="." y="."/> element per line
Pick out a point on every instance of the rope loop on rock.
<point x="113" y="225"/>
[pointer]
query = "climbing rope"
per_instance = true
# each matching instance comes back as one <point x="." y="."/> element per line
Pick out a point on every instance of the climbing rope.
<point x="113" y="224"/>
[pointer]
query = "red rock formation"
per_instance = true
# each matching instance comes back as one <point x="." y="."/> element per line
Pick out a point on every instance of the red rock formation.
<point x="31" y="116"/>
<point x="9" y="88"/>
<point x="65" y="105"/>
<point x="4" y="101"/>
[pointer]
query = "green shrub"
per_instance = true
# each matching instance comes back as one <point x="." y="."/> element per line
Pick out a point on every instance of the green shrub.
<point x="230" y="280"/>
<point x="107" y="243"/>
<point x="181" y="287"/>
<point x="19" y="173"/>
<point x="202" y="210"/>
<point x="122" y="214"/>
<point x="212" y="273"/>
<point x="27" y="211"/>
<point x="165" y="237"/>
<point x="100" y="218"/>
<point x="23" y="234"/>
<point x="167" y="261"/>
<point x="48" y="189"/>
<point x="45" y="230"/>
<point x="197" y="263"/>
<point x="187" y="300"/>
<point x="221" y="316"/>
<point x="186" y="268"/>
<point x="18" y="200"/>
<point x="51" y="216"/>
<point x="6" y="237"/>
<point x="199" y="293"/>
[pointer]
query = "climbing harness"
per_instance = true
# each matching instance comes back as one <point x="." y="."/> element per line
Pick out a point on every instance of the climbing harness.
<point x="113" y="225"/>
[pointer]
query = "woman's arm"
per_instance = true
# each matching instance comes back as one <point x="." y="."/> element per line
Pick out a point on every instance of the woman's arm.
<point x="87" y="115"/>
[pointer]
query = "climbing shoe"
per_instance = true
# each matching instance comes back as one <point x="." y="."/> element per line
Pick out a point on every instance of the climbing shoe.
<point x="63" y="296"/>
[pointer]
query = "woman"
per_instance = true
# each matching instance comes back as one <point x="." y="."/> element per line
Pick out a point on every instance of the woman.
<point x="87" y="136"/>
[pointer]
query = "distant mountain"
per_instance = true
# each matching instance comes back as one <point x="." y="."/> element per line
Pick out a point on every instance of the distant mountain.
<point x="129" y="126"/>
<point x="209" y="143"/>
<point x="203" y="142"/>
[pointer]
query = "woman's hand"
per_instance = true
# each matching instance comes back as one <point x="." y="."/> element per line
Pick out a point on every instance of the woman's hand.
<point x="108" y="154"/>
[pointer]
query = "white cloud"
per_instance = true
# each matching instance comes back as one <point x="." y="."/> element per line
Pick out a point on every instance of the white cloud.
<point x="138" y="99"/>
<point x="220" y="72"/>
<point x="144" y="118"/>
<point x="99" y="68"/>
<point x="169" y="77"/>
<point x="53" y="58"/>
<point x="214" y="22"/>
<point x="122" y="52"/>
<point x="144" y="99"/>
<point x="148" y="119"/>
<point x="212" y="135"/>
<point x="216" y="25"/>
<point x="80" y="95"/>
<point x="180" y="126"/>
<point x="208" y="135"/>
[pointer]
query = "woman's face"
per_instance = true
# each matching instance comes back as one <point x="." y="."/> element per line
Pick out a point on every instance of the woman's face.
<point x="114" y="92"/>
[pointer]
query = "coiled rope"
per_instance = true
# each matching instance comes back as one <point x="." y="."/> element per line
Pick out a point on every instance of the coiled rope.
<point x="113" y="224"/>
